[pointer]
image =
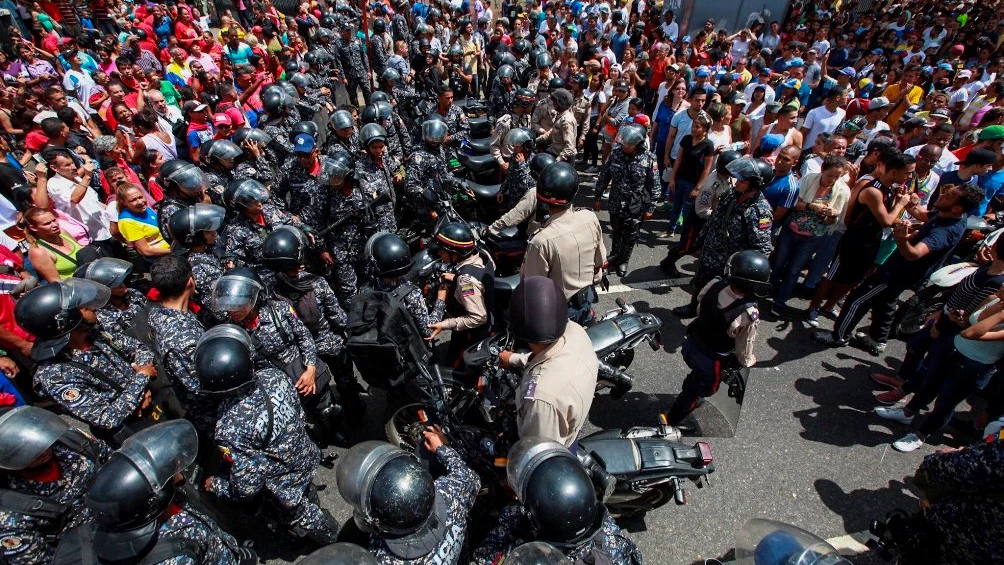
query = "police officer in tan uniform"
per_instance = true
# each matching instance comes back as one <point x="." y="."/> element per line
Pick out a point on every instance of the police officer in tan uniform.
<point x="542" y="119"/>
<point x="526" y="209"/>
<point x="519" y="118"/>
<point x="470" y="302"/>
<point x="563" y="136"/>
<point x="559" y="373"/>
<point x="568" y="248"/>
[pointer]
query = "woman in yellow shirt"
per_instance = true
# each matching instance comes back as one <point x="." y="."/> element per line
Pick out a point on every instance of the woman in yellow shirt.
<point x="137" y="223"/>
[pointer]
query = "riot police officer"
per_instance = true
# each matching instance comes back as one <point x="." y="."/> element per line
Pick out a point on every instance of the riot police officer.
<point x="457" y="126"/>
<point x="124" y="303"/>
<point x="379" y="45"/>
<point x="344" y="246"/>
<point x="503" y="93"/>
<point x="542" y="62"/>
<point x="470" y="304"/>
<point x="631" y="174"/>
<point x="47" y="464"/>
<point x="568" y="248"/>
<point x="517" y="181"/>
<point x="130" y="498"/>
<point x="184" y="184"/>
<point x="374" y="174"/>
<point x="282" y="339"/>
<point x="391" y="260"/>
<point x="527" y="209"/>
<point x="345" y="137"/>
<point x="254" y="217"/>
<point x="398" y="138"/>
<point x="410" y="517"/>
<point x="425" y="169"/>
<point x="261" y="434"/>
<point x="742" y="221"/>
<point x="254" y="141"/>
<point x="537" y="553"/>
<point x="544" y="112"/>
<point x="100" y="378"/>
<point x="520" y="51"/>
<point x="280" y="107"/>
<point x="556" y="504"/>
<point x="219" y="161"/>
<point x="720" y="340"/>
<point x="518" y="117"/>
<point x="308" y="198"/>
<point x="353" y="58"/>
<point x="559" y="373"/>
<point x="194" y="230"/>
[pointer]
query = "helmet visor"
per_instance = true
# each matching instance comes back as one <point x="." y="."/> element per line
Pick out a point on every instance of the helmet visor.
<point x="190" y="180"/>
<point x="82" y="293"/>
<point x="206" y="217"/>
<point x="743" y="169"/>
<point x="630" y="136"/>
<point x="767" y="541"/>
<point x="525" y="456"/>
<point x="250" y="191"/>
<point x="25" y="433"/>
<point x="162" y="451"/>
<point x="235" y="294"/>
<point x="228" y="331"/>
<point x="108" y="271"/>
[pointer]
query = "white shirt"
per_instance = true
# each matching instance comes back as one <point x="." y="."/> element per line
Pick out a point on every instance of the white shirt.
<point x="959" y="96"/>
<point x="81" y="83"/>
<point x="947" y="162"/>
<point x="820" y="120"/>
<point x="89" y="211"/>
<point x="672" y="29"/>
<point x="870" y="133"/>
<point x="768" y="92"/>
<point x="821" y="47"/>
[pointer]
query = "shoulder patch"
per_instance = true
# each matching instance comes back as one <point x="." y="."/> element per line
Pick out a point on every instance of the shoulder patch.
<point x="764" y="223"/>
<point x="71" y="395"/>
<point x="531" y="388"/>
<point x="11" y="544"/>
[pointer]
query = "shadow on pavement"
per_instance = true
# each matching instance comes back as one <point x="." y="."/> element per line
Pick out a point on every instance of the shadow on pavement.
<point x="844" y="401"/>
<point x="859" y="507"/>
<point x="673" y="327"/>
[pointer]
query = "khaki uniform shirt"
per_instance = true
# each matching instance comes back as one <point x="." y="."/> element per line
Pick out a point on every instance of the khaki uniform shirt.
<point x="557" y="389"/>
<point x="567" y="249"/>
<point x="743" y="328"/>
<point x="499" y="149"/>
<point x="563" y="137"/>
<point x="525" y="209"/>
<point x="542" y="119"/>
<point x="470" y="293"/>
<point x="580" y="111"/>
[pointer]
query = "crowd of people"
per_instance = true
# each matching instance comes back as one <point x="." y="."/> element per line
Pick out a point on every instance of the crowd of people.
<point x="207" y="216"/>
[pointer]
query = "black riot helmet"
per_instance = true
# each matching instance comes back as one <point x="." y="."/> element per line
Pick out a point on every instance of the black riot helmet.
<point x="272" y="102"/>
<point x="555" y="83"/>
<point x="506" y="72"/>
<point x="328" y="23"/>
<point x="379" y="96"/>
<point x="758" y="172"/>
<point x="543" y="61"/>
<point x="340" y="554"/>
<point x="299" y="80"/>
<point x="521" y="47"/>
<point x="137" y="484"/>
<point x="504" y="58"/>
<point x="244" y="135"/>
<point x="189" y="225"/>
<point x="52" y="311"/>
<point x="336" y="167"/>
<point x="317" y="57"/>
<point x="393" y="494"/>
<point x="456" y="51"/>
<point x="520" y="138"/>
<point x="224" y="362"/>
<point x="288" y="88"/>
<point x="724" y="159"/>
<point x="238" y="292"/>
<point x="538" y="163"/>
<point x="455" y="237"/>
<point x="391" y="76"/>
<point x="538" y="311"/>
<point x="341" y="119"/>
<point x="291" y="66"/>
<point x="525" y="98"/>
<point x="242" y="192"/>
<point x="109" y="271"/>
<point x="537" y="553"/>
<point x="309" y="128"/>
<point x="631" y="137"/>
<point x="220" y="153"/>
<point x="749" y="271"/>
<point x="556" y="493"/>
<point x="26" y="432"/>
<point x="283" y="249"/>
<point x="580" y="79"/>
<point x="379" y="25"/>
<point x="558" y="184"/>
<point x="376" y="112"/>
<point x="371" y="133"/>
<point x="389" y="253"/>
<point x="434" y="131"/>
<point x="186" y="180"/>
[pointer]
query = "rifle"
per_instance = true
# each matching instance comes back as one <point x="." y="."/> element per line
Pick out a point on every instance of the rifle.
<point x="378" y="200"/>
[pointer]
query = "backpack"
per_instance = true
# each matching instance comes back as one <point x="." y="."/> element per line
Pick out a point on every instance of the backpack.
<point x="303" y="302"/>
<point x="382" y="338"/>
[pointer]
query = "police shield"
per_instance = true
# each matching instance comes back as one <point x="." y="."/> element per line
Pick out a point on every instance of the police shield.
<point x="718" y="415"/>
<point x="162" y="451"/>
<point x="536" y="553"/>
<point x="340" y="554"/>
<point x="766" y="542"/>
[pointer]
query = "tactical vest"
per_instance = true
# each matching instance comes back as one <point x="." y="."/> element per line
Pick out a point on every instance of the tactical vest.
<point x="487" y="279"/>
<point x="711" y="327"/>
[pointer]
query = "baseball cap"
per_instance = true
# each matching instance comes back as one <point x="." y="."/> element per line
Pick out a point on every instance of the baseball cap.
<point x="878" y="103"/>
<point x="222" y="120"/>
<point x="980" y="157"/>
<point x="877" y="51"/>
<point x="727" y="78"/>
<point x="945" y="67"/>
<point x="703" y="72"/>
<point x="643" y="56"/>
<point x="795" y="62"/>
<point x="991" y="132"/>
<point x="773" y="107"/>
<point x="199" y="107"/>
<point x="304" y="143"/>
<point x="793" y="83"/>
<point x="686" y="39"/>
<point x="940" y="113"/>
<point x="964" y="74"/>
<point x="739" y="99"/>
<point x="765" y="72"/>
<point x="848" y="71"/>
<point x="43" y="115"/>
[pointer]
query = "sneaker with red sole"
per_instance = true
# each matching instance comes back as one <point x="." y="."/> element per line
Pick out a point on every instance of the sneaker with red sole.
<point x="890" y="381"/>
<point x="890" y="397"/>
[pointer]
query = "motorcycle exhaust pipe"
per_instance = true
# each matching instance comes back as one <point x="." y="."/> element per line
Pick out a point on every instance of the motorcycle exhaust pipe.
<point x="620" y="381"/>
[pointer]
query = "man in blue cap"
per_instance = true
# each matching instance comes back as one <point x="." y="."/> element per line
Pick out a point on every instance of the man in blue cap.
<point x="299" y="176"/>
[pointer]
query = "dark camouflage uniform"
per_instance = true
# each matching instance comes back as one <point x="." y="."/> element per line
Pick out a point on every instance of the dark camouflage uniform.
<point x="100" y="404"/>
<point x="501" y="100"/>
<point x="278" y="461"/>
<point x="414" y="302"/>
<point x="516" y="184"/>
<point x="216" y="183"/>
<point x="206" y="269"/>
<point x="215" y="547"/>
<point x="258" y="168"/>
<point x="405" y="95"/>
<point x="113" y="320"/>
<point x="458" y="490"/>
<point x="167" y="207"/>
<point x="22" y="537"/>
<point x="400" y="30"/>
<point x="379" y="53"/>
<point x="457" y="127"/>
<point x="335" y="144"/>
<point x="278" y="128"/>
<point x="347" y="242"/>
<point x="424" y="169"/>
<point x="328" y="340"/>
<point x="375" y="179"/>
<point x="243" y="237"/>
<point x="175" y="334"/>
<point x="634" y="188"/>
<point x="398" y="142"/>
<point x="732" y="227"/>
<point x="523" y="71"/>
<point x="308" y="199"/>
<point x="281" y="334"/>
<point x="353" y="58"/>
<point x="513" y="531"/>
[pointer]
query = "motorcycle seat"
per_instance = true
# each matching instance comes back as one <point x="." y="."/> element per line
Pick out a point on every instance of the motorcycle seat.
<point x="479" y="163"/>
<point x="480" y="126"/>
<point x="604" y="335"/>
<point x="507" y="284"/>
<point x="512" y="232"/>
<point x="481" y="146"/>
<point x="484" y="191"/>
<point x="618" y="456"/>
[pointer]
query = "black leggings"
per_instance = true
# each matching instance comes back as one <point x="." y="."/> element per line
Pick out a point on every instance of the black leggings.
<point x="591" y="148"/>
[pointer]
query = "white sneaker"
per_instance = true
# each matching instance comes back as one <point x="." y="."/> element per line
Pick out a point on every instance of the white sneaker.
<point x="908" y="443"/>
<point x="894" y="414"/>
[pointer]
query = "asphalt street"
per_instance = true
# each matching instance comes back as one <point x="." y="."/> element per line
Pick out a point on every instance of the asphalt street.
<point x="808" y="450"/>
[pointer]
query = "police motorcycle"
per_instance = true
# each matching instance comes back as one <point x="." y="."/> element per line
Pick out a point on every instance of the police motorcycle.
<point x="476" y="409"/>
<point x="768" y="542"/>
<point x="930" y="297"/>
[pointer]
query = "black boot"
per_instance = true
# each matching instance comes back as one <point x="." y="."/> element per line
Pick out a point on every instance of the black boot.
<point x="331" y="421"/>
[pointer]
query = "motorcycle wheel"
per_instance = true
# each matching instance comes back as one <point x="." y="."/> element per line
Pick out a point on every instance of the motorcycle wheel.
<point x="404" y="428"/>
<point x="912" y="315"/>
<point x="621" y="359"/>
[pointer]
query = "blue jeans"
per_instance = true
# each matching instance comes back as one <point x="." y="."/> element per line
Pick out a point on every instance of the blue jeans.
<point x="825" y="253"/>
<point x="950" y="384"/>
<point x="682" y="202"/>
<point x="791" y="254"/>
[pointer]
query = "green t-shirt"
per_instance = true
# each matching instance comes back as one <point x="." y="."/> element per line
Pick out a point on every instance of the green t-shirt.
<point x="171" y="94"/>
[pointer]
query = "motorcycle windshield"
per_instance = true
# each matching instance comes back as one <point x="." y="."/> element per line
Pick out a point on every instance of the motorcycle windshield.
<point x="767" y="542"/>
